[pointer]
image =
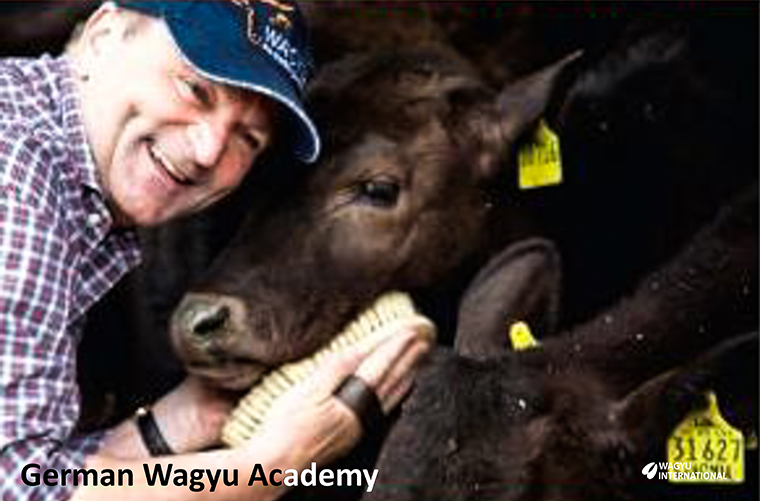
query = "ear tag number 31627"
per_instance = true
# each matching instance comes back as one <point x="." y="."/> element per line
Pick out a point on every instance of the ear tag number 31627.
<point x="708" y="444"/>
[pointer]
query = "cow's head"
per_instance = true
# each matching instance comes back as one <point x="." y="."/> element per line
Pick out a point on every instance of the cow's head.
<point x="511" y="429"/>
<point x="579" y="416"/>
<point x="416" y="162"/>
<point x="550" y="423"/>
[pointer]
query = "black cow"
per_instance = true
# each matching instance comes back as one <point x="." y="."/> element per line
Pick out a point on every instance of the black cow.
<point x="416" y="191"/>
<point x="580" y="416"/>
<point x="405" y="198"/>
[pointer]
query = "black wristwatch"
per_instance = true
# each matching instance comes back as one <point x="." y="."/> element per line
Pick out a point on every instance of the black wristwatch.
<point x="151" y="434"/>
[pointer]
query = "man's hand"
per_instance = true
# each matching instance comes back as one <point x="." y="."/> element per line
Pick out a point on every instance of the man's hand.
<point x="312" y="425"/>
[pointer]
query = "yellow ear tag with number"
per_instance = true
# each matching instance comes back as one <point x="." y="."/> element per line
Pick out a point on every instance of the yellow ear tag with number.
<point x="707" y="449"/>
<point x="540" y="162"/>
<point x="521" y="337"/>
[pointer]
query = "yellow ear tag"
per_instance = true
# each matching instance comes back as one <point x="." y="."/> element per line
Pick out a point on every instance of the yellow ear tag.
<point x="521" y="337"/>
<point x="705" y="449"/>
<point x="540" y="162"/>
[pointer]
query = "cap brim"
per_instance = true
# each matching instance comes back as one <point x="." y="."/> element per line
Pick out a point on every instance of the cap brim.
<point x="232" y="62"/>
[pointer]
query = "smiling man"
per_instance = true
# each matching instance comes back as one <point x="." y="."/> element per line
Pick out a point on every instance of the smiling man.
<point x="159" y="110"/>
<point x="167" y="136"/>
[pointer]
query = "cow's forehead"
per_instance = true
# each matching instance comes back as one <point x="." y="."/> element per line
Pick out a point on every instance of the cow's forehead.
<point x="390" y="68"/>
<point x="378" y="85"/>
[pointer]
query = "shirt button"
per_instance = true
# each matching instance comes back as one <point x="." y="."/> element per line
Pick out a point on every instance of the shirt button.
<point x="94" y="220"/>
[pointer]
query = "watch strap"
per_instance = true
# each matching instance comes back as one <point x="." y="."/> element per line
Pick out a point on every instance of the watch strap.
<point x="151" y="434"/>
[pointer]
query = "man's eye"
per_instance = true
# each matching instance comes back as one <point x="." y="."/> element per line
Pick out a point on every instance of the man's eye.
<point x="194" y="91"/>
<point x="252" y="141"/>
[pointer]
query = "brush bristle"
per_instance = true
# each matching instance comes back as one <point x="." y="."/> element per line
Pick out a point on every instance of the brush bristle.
<point x="374" y="324"/>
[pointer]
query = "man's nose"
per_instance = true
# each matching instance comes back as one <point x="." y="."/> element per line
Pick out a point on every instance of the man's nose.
<point x="209" y="141"/>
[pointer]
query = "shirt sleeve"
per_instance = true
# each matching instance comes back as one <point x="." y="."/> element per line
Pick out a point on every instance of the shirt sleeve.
<point x="39" y="397"/>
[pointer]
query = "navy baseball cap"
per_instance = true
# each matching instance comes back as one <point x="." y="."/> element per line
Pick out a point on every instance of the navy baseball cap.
<point x="258" y="45"/>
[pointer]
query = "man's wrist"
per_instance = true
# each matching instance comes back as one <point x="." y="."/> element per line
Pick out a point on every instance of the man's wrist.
<point x="151" y="434"/>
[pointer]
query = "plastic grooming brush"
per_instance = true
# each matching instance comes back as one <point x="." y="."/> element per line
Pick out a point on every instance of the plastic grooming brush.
<point x="377" y="322"/>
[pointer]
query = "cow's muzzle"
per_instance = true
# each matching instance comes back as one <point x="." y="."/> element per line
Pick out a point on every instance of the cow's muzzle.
<point x="212" y="336"/>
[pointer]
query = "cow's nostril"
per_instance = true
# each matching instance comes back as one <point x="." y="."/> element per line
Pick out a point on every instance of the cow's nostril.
<point x="209" y="320"/>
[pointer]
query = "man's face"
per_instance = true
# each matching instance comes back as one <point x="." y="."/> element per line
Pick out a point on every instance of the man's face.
<point x="166" y="141"/>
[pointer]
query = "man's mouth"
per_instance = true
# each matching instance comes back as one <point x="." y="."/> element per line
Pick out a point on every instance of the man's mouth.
<point x="174" y="172"/>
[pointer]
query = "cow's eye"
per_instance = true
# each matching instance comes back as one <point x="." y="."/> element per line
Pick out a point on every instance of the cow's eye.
<point x="381" y="193"/>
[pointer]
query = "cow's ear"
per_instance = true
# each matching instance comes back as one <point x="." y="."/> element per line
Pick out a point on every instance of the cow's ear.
<point x="649" y="413"/>
<point x="522" y="283"/>
<point x="523" y="102"/>
<point x="491" y="132"/>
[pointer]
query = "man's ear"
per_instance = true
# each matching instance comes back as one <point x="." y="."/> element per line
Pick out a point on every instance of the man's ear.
<point x="104" y="28"/>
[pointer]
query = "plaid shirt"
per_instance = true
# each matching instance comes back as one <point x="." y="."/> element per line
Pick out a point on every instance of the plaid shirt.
<point x="58" y="255"/>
